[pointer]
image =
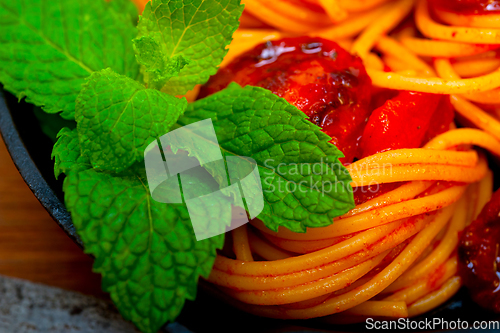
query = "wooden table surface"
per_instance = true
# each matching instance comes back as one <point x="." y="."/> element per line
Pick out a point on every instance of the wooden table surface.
<point x="32" y="245"/>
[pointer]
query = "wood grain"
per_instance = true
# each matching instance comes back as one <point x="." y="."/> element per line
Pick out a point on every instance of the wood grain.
<point x="32" y="245"/>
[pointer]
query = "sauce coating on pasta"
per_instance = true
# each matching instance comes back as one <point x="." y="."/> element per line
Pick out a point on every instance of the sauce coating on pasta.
<point x="317" y="76"/>
<point x="480" y="257"/>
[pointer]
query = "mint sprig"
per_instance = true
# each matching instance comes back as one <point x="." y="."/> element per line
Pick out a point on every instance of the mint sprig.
<point x="196" y="31"/>
<point x="49" y="47"/>
<point x="117" y="118"/>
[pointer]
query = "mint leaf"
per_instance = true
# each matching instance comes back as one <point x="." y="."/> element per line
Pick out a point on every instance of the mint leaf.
<point x="196" y="30"/>
<point x="118" y="117"/>
<point x="303" y="182"/>
<point x="67" y="154"/>
<point x="49" y="47"/>
<point x="146" y="251"/>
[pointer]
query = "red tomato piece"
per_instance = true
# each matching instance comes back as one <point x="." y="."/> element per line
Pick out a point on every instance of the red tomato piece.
<point x="441" y="119"/>
<point x="316" y="75"/>
<point x="479" y="256"/>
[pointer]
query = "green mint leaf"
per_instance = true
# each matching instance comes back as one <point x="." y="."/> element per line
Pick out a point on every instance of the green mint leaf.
<point x="49" y="47"/>
<point x="146" y="251"/>
<point x="118" y="117"/>
<point x="66" y="153"/>
<point x="158" y="69"/>
<point x="51" y="124"/>
<point x="196" y="30"/>
<point x="304" y="183"/>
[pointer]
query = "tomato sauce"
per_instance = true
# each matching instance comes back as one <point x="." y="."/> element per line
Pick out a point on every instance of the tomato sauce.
<point x="479" y="256"/>
<point x="467" y="7"/>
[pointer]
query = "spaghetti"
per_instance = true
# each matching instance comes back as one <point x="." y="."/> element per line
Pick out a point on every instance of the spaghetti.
<point x="395" y="254"/>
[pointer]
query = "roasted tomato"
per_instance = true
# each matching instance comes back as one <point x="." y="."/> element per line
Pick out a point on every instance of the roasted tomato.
<point x="407" y="120"/>
<point x="317" y="76"/>
<point x="479" y="256"/>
